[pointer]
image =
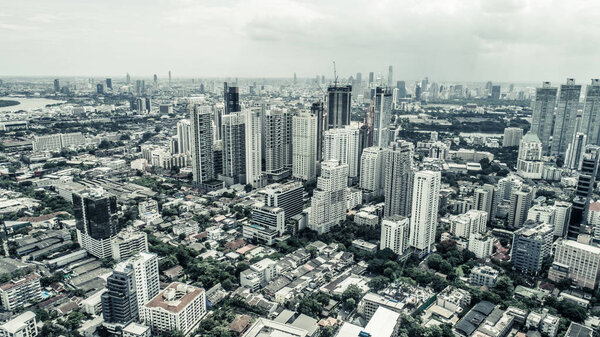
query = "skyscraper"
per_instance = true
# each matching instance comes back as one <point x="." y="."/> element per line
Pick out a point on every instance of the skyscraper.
<point x="485" y="199"/>
<point x="398" y="178"/>
<point x="566" y="112"/>
<point x="495" y="92"/>
<point x="371" y="171"/>
<point x="155" y="78"/>
<point x="343" y="145"/>
<point x="202" y="144"/>
<point x="232" y="99"/>
<point x="328" y="204"/>
<point x="56" y="85"/>
<point x="96" y="221"/>
<point x="318" y="110"/>
<point x="543" y="112"/>
<point x="119" y="302"/>
<point x="575" y="151"/>
<point x="512" y="137"/>
<point x="109" y="83"/>
<point x="591" y="113"/>
<point x="529" y="160"/>
<point x="520" y="203"/>
<point x="277" y="143"/>
<point x="401" y="85"/>
<point x="127" y="78"/>
<point x="382" y="103"/>
<point x="584" y="190"/>
<point x="100" y="88"/>
<point x="425" y="203"/>
<point x="233" y="132"/>
<point x="394" y="233"/>
<point x="169" y="76"/>
<point x="371" y="78"/>
<point x="184" y="136"/>
<point x="253" y="147"/>
<point x="390" y="78"/>
<point x="339" y="106"/>
<point x="304" y="139"/>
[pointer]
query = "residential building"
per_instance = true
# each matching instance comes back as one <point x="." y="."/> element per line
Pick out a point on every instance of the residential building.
<point x="398" y="178"/>
<point x="304" y="144"/>
<point x="128" y="243"/>
<point x="543" y="112"/>
<point x="529" y="160"/>
<point x="119" y="303"/>
<point x="483" y="276"/>
<point x="394" y="233"/>
<point x="520" y="203"/>
<point x="287" y="196"/>
<point x="233" y="135"/>
<point x="342" y="144"/>
<point x="425" y="203"/>
<point x="481" y="245"/>
<point x="371" y="171"/>
<point x="254" y="138"/>
<point x="463" y="225"/>
<point x="258" y="274"/>
<point x="328" y="204"/>
<point x="18" y="293"/>
<point x="512" y="137"/>
<point x="591" y="113"/>
<point x="566" y="113"/>
<point x="339" y="106"/>
<point x="184" y="136"/>
<point x="203" y="168"/>
<point x="485" y="199"/>
<point x="577" y="261"/>
<point x="23" y="325"/>
<point x="382" y="103"/>
<point x="531" y="245"/>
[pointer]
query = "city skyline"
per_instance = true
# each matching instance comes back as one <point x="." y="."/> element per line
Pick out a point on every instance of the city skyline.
<point x="446" y="40"/>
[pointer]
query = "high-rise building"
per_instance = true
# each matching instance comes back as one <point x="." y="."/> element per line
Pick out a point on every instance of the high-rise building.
<point x="109" y="83"/>
<point x="512" y="137"/>
<point x="382" y="116"/>
<point x="394" y="233"/>
<point x="371" y="78"/>
<point x="56" y="85"/>
<point x="100" y="88"/>
<point x="232" y="99"/>
<point x="591" y="113"/>
<point x="277" y="143"/>
<point x="318" y="110"/>
<point x="495" y="92"/>
<point x="233" y="134"/>
<point x="398" y="178"/>
<point x="128" y="243"/>
<point x="272" y="218"/>
<point x="202" y="144"/>
<point x="401" y="85"/>
<point x="543" y="112"/>
<point x="473" y="221"/>
<point x="119" y="302"/>
<point x="371" y="171"/>
<point x="390" y="78"/>
<point x="184" y="136"/>
<point x="520" y="203"/>
<point x="127" y="78"/>
<point x="155" y="78"/>
<point x="304" y="144"/>
<point x="531" y="245"/>
<point x="584" y="190"/>
<point x="529" y="160"/>
<point x="328" y="204"/>
<point x="562" y="217"/>
<point x="253" y="147"/>
<point x="566" y="112"/>
<point x="575" y="151"/>
<point x="169" y="76"/>
<point x="179" y="307"/>
<point x="339" y="106"/>
<point x="343" y="145"/>
<point x="96" y="221"/>
<point x="577" y="261"/>
<point x="425" y="203"/>
<point x="485" y="199"/>
<point x="287" y="196"/>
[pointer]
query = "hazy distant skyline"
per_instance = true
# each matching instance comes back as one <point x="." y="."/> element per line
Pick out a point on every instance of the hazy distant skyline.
<point x="477" y="40"/>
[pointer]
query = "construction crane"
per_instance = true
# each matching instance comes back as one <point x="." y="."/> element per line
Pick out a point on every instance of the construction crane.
<point x="335" y="77"/>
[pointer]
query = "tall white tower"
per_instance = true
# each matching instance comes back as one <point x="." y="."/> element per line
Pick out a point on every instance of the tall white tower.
<point x="253" y="147"/>
<point x="328" y="204"/>
<point x="304" y="145"/>
<point x="343" y="145"/>
<point x="425" y="204"/>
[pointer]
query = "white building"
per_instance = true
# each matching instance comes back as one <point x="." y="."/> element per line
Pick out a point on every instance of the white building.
<point x="512" y="137"/>
<point x="343" y="145"/>
<point x="328" y="204"/>
<point x="562" y="215"/>
<point x="425" y="204"/>
<point x="529" y="161"/>
<point x="371" y="170"/>
<point x="481" y="245"/>
<point x="17" y="293"/>
<point x="483" y="276"/>
<point x="463" y="225"/>
<point x="23" y="325"/>
<point x="398" y="178"/>
<point x="128" y="243"/>
<point x="178" y="307"/>
<point x="258" y="274"/>
<point x="304" y="147"/>
<point x="577" y="261"/>
<point x="184" y="136"/>
<point x="253" y="147"/>
<point x="394" y="234"/>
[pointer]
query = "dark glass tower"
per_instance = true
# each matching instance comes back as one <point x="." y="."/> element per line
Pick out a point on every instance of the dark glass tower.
<point x="339" y="106"/>
<point x="585" y="187"/>
<point x="96" y="214"/>
<point x="318" y="110"/>
<point x="119" y="303"/>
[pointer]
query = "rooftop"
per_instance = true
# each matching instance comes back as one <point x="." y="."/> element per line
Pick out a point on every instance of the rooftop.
<point x="175" y="297"/>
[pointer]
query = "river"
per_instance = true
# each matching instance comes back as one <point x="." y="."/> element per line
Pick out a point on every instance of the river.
<point x="27" y="103"/>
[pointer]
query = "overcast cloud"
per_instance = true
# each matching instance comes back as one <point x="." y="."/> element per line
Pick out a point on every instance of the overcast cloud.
<point x="500" y="40"/>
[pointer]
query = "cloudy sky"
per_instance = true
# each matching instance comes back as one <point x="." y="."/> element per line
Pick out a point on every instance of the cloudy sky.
<point x="501" y="40"/>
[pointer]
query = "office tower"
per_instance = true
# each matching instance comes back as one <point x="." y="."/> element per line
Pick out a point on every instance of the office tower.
<point x="155" y="78"/>
<point x="398" y="178"/>
<point x="520" y="203"/>
<point x="575" y="151"/>
<point x="17" y="293"/>
<point x="287" y="196"/>
<point x="56" y="85"/>
<point x="318" y="110"/>
<point x="233" y="133"/>
<point x="184" y="136"/>
<point x="562" y="217"/>
<point x="584" y="190"/>
<point x="529" y="160"/>
<point x="577" y="261"/>
<point x="512" y="137"/>
<point x="202" y="144"/>
<point x="424" y="83"/>
<point x="343" y="145"/>
<point x="371" y="78"/>
<point x="566" y="112"/>
<point x="144" y="268"/>
<point x="401" y="85"/>
<point x="127" y="78"/>
<point x="164" y="317"/>
<point x="531" y="245"/>
<point x="119" y="302"/>
<point x="328" y="204"/>
<point x="169" y="76"/>
<point x="417" y="92"/>
<point x="109" y="83"/>
<point x="232" y="99"/>
<point x="473" y="221"/>
<point x="304" y="143"/>
<point x="138" y="87"/>
<point x="382" y="116"/>
<point x="371" y="171"/>
<point x="339" y="106"/>
<point x="96" y="221"/>
<point x="394" y="233"/>
<point x="485" y="199"/>
<point x="272" y="218"/>
<point x="495" y="92"/>
<point x="277" y="143"/>
<point x="390" y="76"/>
<point x="543" y="112"/>
<point x="591" y="113"/>
<point x="100" y="88"/>
<point x="253" y="147"/>
<point x="425" y="202"/>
